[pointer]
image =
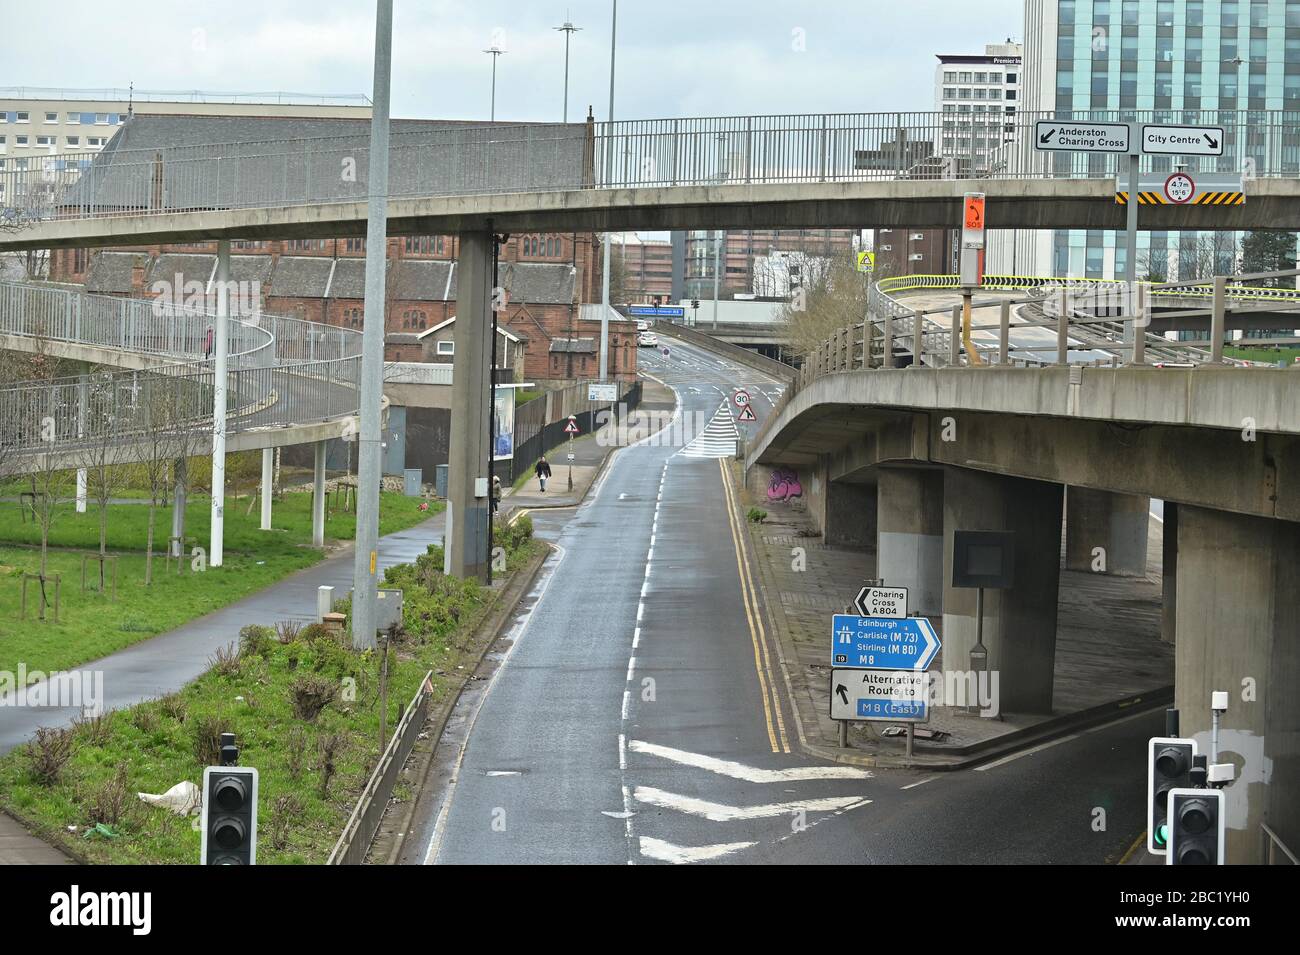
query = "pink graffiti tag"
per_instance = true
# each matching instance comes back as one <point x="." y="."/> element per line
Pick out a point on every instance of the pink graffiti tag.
<point x="784" y="485"/>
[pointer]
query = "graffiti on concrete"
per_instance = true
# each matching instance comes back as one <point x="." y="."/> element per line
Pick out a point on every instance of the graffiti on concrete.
<point x="784" y="485"/>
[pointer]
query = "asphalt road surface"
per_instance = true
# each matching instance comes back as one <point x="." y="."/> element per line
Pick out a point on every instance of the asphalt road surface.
<point x="637" y="714"/>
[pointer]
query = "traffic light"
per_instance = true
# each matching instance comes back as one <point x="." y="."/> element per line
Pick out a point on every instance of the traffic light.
<point x="1169" y="766"/>
<point x="1197" y="820"/>
<point x="229" y="818"/>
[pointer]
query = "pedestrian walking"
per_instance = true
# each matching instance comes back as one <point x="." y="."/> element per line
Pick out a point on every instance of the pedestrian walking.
<point x="496" y="493"/>
<point x="543" y="470"/>
<point x="207" y="344"/>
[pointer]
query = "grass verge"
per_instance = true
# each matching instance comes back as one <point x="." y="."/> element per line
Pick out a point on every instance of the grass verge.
<point x="312" y="765"/>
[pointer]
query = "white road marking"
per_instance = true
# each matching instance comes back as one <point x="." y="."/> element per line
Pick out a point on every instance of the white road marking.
<point x="662" y="851"/>
<point x="750" y="774"/>
<point x="921" y="782"/>
<point x="720" y="812"/>
<point x="503" y="772"/>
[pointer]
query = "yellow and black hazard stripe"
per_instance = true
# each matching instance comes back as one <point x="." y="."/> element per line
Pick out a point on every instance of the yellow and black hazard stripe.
<point x="1204" y="199"/>
<point x="1220" y="199"/>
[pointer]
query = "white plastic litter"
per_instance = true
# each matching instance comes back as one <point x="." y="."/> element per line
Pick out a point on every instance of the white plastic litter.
<point x="184" y="799"/>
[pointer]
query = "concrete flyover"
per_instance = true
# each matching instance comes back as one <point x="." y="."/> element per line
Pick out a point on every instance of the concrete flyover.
<point x="920" y="203"/>
<point x="908" y="456"/>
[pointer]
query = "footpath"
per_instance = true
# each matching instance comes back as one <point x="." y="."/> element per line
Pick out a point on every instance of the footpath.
<point x="1110" y="658"/>
<point x="165" y="663"/>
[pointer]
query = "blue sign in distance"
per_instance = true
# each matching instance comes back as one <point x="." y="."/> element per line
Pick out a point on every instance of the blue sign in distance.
<point x="658" y="311"/>
<point x="882" y="643"/>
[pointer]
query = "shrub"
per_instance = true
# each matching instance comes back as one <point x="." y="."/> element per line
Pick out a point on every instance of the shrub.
<point x="49" y="751"/>
<point x="287" y="631"/>
<point x="314" y="632"/>
<point x="225" y="662"/>
<point x="756" y="516"/>
<point x="295" y="751"/>
<point x="113" y="801"/>
<point x="255" y="640"/>
<point x="286" y="808"/>
<point x="173" y="705"/>
<point x="145" y="719"/>
<point x="205" y="731"/>
<point x="331" y="746"/>
<point x="94" y="730"/>
<point x="311" y="694"/>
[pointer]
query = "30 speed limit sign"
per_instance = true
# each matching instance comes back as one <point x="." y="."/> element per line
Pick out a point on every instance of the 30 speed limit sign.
<point x="740" y="398"/>
<point x="1179" y="188"/>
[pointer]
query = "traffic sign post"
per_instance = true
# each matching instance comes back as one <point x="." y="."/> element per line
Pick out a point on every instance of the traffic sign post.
<point x="891" y="696"/>
<point x="571" y="429"/>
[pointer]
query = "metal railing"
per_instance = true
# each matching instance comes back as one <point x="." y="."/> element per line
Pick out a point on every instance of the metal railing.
<point x="500" y="158"/>
<point x="282" y="371"/>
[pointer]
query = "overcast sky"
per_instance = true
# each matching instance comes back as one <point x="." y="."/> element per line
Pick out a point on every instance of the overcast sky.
<point x="675" y="57"/>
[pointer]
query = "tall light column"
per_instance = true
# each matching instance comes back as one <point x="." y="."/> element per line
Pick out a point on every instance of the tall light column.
<point x="369" y="436"/>
<point x="492" y="110"/>
<point x="609" y="156"/>
<point x="220" y="385"/>
<point x="568" y="30"/>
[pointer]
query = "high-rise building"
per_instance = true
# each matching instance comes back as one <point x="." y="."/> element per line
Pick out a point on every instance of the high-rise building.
<point x="643" y="266"/>
<point x="977" y="95"/>
<point x="1176" y="58"/>
<point x="738" y="251"/>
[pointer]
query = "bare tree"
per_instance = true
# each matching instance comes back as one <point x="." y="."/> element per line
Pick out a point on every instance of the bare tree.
<point x="172" y="420"/>
<point x="832" y="296"/>
<point x="107" y="405"/>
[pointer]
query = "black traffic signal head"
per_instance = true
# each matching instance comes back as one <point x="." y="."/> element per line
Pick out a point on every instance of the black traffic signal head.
<point x="229" y="819"/>
<point x="1169" y="766"/>
<point x="1197" y="820"/>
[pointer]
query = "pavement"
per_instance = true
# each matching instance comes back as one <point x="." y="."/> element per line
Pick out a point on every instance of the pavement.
<point x="639" y="711"/>
<point x="1109" y="654"/>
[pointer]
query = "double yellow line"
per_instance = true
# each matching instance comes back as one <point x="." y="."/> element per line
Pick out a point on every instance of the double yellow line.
<point x="772" y="713"/>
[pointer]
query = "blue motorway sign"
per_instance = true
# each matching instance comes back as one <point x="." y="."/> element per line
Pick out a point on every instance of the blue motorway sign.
<point x="657" y="311"/>
<point x="882" y="643"/>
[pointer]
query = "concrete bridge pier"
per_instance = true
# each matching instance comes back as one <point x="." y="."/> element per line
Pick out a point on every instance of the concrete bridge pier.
<point x="1019" y="623"/>
<point x="1239" y="631"/>
<point x="268" y="485"/>
<point x="909" y="535"/>
<point x="1106" y="532"/>
<point x="178" y="507"/>
<point x="847" y="511"/>
<point x="318" y="496"/>
<point x="468" y="520"/>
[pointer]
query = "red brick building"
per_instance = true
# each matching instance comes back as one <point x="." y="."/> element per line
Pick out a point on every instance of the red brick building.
<point x="546" y="277"/>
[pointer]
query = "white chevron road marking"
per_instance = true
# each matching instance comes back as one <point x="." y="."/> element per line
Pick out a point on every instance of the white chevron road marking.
<point x="720" y="812"/>
<point x="682" y="855"/>
<point x="750" y="774"/>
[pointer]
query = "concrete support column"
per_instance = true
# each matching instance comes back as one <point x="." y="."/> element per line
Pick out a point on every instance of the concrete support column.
<point x="468" y="513"/>
<point x="1169" y="575"/>
<point x="178" y="507"/>
<point x="268" y="485"/>
<point x="909" y="535"/>
<point x="1019" y="623"/>
<point x="850" y="519"/>
<point x="1238" y="624"/>
<point x="318" y="497"/>
<point x="1106" y="533"/>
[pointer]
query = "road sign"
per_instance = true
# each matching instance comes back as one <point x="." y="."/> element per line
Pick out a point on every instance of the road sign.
<point x="1208" y="189"/>
<point x="740" y="398"/>
<point x="881" y="602"/>
<point x="571" y="455"/>
<point x="1074" y="136"/>
<point x="1183" y="140"/>
<point x="882" y="643"/>
<point x="657" y="311"/>
<point x="866" y="261"/>
<point x="602" y="392"/>
<point x="895" y="696"/>
<point x="747" y="413"/>
<point x="572" y="426"/>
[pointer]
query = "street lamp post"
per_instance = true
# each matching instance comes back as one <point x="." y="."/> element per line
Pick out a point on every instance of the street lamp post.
<point x="609" y="163"/>
<point x="568" y="30"/>
<point x="495" y="51"/>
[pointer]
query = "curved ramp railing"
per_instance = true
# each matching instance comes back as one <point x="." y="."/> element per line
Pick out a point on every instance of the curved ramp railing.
<point x="282" y="371"/>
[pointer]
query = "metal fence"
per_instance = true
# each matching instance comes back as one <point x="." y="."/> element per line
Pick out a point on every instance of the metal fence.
<point x="502" y="158"/>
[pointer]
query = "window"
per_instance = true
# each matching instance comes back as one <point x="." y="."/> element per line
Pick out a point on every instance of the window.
<point x="1013" y="78"/>
<point x="950" y="92"/>
<point x="449" y="348"/>
<point x="950" y="77"/>
<point x="20" y="140"/>
<point x="51" y="117"/>
<point x="96" y="141"/>
<point x="21" y="117"/>
<point x="101" y="119"/>
<point x="981" y="77"/>
<point x="44" y="140"/>
<point x="74" y="119"/>
<point x="73" y="140"/>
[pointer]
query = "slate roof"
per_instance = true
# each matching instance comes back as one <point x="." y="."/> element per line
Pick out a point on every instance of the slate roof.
<point x="301" y="276"/>
<point x="421" y="280"/>
<point x="542" y="283"/>
<point x="575" y="345"/>
<point x="110" y="272"/>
